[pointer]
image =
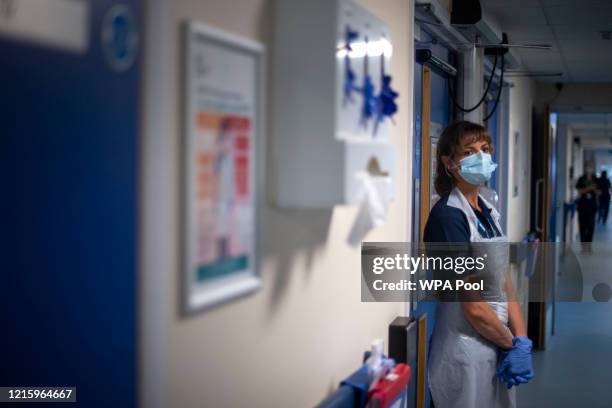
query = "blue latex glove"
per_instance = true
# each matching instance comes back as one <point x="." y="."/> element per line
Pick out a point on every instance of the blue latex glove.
<point x="517" y="380"/>
<point x="515" y="364"/>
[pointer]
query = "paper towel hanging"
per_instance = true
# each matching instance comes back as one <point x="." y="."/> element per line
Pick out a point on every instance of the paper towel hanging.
<point x="374" y="196"/>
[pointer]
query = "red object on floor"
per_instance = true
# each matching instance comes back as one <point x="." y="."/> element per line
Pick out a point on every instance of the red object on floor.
<point x="389" y="388"/>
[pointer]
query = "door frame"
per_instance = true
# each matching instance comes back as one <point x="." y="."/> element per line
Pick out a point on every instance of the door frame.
<point x="543" y="151"/>
<point x="425" y="179"/>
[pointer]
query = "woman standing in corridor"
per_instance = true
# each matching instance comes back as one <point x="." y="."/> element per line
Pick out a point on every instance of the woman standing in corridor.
<point x="476" y="345"/>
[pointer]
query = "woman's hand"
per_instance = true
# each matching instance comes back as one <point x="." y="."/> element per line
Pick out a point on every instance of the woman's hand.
<point x="484" y="320"/>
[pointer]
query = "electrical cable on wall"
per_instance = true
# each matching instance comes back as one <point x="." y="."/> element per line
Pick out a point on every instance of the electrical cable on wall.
<point x="499" y="91"/>
<point x="559" y="88"/>
<point x="484" y="95"/>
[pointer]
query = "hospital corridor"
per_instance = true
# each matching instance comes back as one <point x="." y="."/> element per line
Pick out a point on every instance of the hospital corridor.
<point x="306" y="203"/>
<point x="580" y="346"/>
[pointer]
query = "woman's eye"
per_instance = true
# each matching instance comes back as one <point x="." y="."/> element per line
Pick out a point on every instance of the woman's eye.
<point x="467" y="153"/>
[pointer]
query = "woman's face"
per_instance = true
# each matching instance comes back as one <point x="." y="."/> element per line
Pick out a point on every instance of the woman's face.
<point x="469" y="148"/>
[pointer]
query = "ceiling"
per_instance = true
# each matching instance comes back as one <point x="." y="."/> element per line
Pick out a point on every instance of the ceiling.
<point x="591" y="119"/>
<point x="594" y="129"/>
<point x="572" y="27"/>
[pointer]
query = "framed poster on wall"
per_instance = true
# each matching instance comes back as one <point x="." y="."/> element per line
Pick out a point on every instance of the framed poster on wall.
<point x="435" y="130"/>
<point x="223" y="98"/>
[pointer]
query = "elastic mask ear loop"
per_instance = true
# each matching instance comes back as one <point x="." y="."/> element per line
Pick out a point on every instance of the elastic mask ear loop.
<point x="454" y="167"/>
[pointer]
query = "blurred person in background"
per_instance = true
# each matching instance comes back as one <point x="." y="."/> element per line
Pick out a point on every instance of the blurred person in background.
<point x="586" y="204"/>
<point x="603" y="184"/>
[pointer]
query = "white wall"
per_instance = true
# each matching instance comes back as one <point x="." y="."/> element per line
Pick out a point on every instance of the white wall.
<point x="563" y="183"/>
<point x="603" y="160"/>
<point x="295" y="339"/>
<point x="522" y="96"/>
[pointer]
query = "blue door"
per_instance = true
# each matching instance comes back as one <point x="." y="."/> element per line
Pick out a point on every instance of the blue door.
<point x="68" y="168"/>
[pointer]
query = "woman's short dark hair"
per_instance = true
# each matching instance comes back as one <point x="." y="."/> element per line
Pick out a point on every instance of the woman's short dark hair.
<point x="450" y="142"/>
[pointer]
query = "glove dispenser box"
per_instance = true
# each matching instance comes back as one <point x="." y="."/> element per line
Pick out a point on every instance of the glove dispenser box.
<point x="330" y="73"/>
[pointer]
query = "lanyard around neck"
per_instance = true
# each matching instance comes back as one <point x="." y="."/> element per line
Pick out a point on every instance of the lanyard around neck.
<point x="489" y="233"/>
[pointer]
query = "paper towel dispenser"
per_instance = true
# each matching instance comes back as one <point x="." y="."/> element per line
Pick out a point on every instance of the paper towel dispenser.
<point x="332" y="101"/>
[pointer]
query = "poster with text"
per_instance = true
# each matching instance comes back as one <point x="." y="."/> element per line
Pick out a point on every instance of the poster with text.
<point x="223" y="85"/>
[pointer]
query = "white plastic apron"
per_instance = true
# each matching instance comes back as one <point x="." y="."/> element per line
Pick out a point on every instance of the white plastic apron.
<point x="462" y="363"/>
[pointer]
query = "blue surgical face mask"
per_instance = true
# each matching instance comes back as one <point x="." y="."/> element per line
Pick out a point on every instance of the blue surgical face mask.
<point x="477" y="168"/>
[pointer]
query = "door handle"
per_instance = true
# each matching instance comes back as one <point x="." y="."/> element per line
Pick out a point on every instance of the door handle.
<point x="539" y="183"/>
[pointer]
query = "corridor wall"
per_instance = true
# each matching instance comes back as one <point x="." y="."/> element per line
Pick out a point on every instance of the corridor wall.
<point x="522" y="97"/>
<point x="306" y="328"/>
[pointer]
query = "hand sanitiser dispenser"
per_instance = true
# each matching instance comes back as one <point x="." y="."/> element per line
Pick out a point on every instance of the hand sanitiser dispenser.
<point x="333" y="102"/>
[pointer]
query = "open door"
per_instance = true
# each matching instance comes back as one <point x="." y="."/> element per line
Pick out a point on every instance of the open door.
<point x="540" y="321"/>
<point x="68" y="168"/>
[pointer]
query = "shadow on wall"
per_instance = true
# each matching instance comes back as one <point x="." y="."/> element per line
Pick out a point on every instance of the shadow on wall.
<point x="289" y="235"/>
